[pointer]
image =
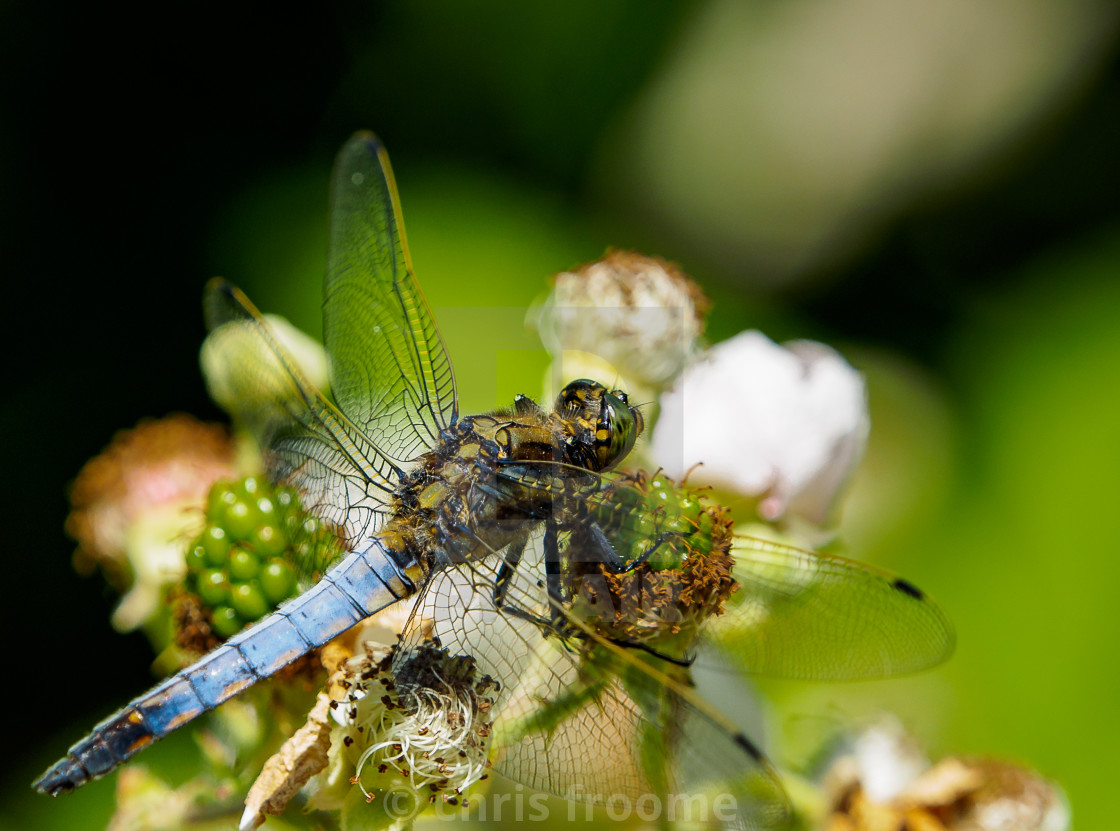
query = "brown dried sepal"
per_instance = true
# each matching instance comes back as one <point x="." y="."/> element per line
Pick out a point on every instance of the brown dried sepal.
<point x="649" y="604"/>
<point x="192" y="630"/>
<point x="672" y="599"/>
<point x="954" y="795"/>
<point x="291" y="767"/>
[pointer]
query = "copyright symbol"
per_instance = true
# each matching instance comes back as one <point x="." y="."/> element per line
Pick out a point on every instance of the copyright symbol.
<point x="399" y="804"/>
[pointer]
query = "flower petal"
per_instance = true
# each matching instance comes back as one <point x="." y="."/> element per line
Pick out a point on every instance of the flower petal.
<point x="783" y="424"/>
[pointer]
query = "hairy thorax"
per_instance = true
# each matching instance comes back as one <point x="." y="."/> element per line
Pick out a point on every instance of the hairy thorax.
<point x="493" y="477"/>
<point x="481" y="488"/>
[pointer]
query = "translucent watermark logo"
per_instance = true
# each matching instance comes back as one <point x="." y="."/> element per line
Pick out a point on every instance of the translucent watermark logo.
<point x="582" y="804"/>
<point x="720" y="808"/>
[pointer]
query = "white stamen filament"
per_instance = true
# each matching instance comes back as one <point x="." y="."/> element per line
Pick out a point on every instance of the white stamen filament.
<point x="436" y="738"/>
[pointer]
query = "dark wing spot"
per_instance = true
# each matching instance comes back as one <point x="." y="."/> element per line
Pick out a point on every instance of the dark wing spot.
<point x="749" y="746"/>
<point x="906" y="587"/>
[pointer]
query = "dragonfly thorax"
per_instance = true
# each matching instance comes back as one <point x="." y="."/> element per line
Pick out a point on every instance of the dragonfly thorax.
<point x="495" y="476"/>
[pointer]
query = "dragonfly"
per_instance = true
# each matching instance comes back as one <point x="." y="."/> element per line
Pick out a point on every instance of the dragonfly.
<point x="502" y="525"/>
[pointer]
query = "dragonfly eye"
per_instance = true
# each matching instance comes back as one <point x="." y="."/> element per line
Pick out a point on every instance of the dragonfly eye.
<point x="618" y="427"/>
<point x="580" y="399"/>
<point x="605" y="423"/>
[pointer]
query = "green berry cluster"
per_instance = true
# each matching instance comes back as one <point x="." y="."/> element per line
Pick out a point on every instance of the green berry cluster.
<point x="245" y="562"/>
<point x="641" y="513"/>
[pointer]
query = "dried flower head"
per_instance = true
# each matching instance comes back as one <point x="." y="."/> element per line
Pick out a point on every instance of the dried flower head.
<point x="426" y="724"/>
<point x="627" y="315"/>
<point x="677" y="545"/>
<point x="131" y="504"/>
<point x="886" y="783"/>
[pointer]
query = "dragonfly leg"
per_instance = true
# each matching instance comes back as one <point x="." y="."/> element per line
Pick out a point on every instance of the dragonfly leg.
<point x="604" y="552"/>
<point x="559" y="590"/>
<point x="609" y="558"/>
<point x="680" y="662"/>
<point x="662" y="538"/>
<point x="508" y="569"/>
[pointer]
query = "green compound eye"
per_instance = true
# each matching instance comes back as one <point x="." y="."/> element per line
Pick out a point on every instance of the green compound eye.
<point x="617" y="430"/>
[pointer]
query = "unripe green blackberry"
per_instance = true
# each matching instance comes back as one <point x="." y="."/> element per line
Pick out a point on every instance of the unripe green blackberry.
<point x="246" y="560"/>
<point x="652" y="513"/>
<point x="674" y="545"/>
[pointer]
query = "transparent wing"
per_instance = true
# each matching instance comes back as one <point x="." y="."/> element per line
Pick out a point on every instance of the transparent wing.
<point x="341" y="475"/>
<point x="585" y="719"/>
<point x="799" y="614"/>
<point x="389" y="370"/>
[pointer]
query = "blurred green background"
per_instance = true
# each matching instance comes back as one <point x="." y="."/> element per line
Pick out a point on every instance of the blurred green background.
<point x="930" y="186"/>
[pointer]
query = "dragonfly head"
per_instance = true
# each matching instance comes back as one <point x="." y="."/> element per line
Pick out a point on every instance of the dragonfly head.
<point x="601" y="422"/>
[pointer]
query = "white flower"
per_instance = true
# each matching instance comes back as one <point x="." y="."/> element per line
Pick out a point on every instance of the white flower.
<point x="887" y="759"/>
<point x="784" y="424"/>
